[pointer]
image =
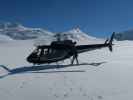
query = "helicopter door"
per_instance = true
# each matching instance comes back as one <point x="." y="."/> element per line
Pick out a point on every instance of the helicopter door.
<point x="55" y="54"/>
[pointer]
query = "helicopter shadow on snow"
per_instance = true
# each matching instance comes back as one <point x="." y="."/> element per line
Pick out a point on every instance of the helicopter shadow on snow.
<point x="38" y="68"/>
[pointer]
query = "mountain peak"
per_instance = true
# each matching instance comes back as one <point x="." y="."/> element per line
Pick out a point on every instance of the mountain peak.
<point x="76" y="30"/>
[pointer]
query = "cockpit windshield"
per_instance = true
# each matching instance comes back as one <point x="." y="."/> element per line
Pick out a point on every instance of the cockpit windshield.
<point x="44" y="51"/>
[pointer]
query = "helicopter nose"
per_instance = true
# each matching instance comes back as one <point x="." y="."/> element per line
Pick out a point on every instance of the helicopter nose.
<point x="29" y="59"/>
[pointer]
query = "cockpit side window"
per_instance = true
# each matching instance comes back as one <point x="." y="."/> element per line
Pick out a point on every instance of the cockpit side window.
<point x="39" y="52"/>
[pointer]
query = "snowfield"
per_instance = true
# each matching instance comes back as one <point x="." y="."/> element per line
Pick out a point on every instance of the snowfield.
<point x="102" y="75"/>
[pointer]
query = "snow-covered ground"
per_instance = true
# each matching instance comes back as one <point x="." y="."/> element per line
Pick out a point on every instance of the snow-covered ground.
<point x="102" y="75"/>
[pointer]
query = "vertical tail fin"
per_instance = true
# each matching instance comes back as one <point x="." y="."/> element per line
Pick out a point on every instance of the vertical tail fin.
<point x="110" y="42"/>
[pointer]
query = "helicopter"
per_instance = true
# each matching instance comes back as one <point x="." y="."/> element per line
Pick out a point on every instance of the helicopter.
<point x="61" y="50"/>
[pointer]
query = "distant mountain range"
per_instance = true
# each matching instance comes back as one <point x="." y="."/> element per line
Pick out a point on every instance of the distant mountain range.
<point x="16" y="31"/>
<point x="125" y="35"/>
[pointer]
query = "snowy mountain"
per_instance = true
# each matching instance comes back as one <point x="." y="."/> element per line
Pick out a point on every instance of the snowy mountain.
<point x="16" y="31"/>
<point x="126" y="35"/>
<point x="19" y="32"/>
<point x="76" y="34"/>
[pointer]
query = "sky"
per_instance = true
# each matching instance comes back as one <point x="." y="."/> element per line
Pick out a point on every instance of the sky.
<point x="96" y="17"/>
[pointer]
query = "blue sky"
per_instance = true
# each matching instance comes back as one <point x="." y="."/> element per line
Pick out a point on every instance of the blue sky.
<point x="97" y="17"/>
